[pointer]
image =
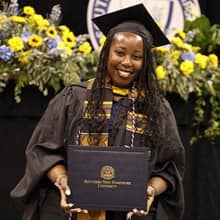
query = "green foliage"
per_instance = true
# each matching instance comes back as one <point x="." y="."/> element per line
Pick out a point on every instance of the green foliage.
<point x="206" y="36"/>
<point x="37" y="51"/>
<point x="190" y="65"/>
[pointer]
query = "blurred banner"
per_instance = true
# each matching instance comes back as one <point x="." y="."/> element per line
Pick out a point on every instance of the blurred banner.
<point x="169" y="14"/>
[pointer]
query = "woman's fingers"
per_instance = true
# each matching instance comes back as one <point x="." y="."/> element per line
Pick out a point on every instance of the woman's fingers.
<point x="140" y="212"/>
<point x="63" y="200"/>
<point x="129" y="215"/>
<point x="151" y="193"/>
<point x="143" y="212"/>
<point x="77" y="210"/>
<point x="64" y="192"/>
<point x="64" y="185"/>
<point x="136" y="212"/>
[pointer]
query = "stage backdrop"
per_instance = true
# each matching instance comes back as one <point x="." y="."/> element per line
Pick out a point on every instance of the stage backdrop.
<point x="17" y="122"/>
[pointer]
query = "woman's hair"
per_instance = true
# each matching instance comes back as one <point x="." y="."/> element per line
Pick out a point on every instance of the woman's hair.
<point x="146" y="82"/>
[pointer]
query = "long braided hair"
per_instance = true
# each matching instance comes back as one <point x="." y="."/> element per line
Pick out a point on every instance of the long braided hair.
<point x="145" y="82"/>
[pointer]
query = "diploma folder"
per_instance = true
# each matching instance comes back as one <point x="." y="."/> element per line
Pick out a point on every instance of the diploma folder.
<point x="107" y="178"/>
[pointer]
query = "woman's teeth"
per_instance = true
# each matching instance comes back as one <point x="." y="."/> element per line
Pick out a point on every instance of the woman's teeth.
<point x="124" y="73"/>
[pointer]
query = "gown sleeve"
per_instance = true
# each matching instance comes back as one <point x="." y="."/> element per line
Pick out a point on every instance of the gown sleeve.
<point x="45" y="148"/>
<point x="170" y="166"/>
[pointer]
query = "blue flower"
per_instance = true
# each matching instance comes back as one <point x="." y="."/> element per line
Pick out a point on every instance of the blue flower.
<point x="52" y="43"/>
<point x="188" y="56"/>
<point x="5" y="53"/>
<point x="14" y="7"/>
<point x="190" y="36"/>
<point x="25" y="36"/>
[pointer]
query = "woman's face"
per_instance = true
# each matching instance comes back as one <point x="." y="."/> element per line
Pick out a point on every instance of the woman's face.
<point x="125" y="59"/>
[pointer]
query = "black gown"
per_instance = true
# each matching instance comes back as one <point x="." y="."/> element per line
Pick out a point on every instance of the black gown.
<point x="58" y="128"/>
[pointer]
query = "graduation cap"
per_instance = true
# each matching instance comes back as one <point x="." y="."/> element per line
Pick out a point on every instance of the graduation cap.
<point x="137" y="13"/>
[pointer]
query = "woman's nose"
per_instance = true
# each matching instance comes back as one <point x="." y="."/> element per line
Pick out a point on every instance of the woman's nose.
<point x="127" y="61"/>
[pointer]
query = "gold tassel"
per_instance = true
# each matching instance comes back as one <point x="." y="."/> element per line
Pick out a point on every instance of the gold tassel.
<point x="92" y="215"/>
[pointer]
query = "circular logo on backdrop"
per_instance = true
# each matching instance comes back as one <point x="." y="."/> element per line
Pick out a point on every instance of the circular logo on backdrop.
<point x="169" y="14"/>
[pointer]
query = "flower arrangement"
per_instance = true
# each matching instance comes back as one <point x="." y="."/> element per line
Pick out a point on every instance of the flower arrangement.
<point x="38" y="51"/>
<point x="185" y="68"/>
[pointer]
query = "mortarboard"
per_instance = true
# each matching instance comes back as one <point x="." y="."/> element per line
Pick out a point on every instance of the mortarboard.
<point x="137" y="13"/>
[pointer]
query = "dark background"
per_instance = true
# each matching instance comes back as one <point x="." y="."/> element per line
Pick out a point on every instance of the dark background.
<point x="17" y="121"/>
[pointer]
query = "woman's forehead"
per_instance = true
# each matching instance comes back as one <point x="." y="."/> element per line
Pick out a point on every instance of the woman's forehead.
<point x="127" y="35"/>
<point x="128" y="40"/>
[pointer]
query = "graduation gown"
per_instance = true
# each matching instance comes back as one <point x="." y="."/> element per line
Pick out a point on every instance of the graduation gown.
<point x="57" y="128"/>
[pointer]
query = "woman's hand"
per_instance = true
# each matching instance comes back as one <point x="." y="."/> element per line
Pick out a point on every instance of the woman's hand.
<point x="58" y="176"/>
<point x="156" y="186"/>
<point x="62" y="184"/>
<point x="151" y="192"/>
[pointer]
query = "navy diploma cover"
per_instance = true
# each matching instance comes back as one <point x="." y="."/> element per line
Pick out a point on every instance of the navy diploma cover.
<point x="109" y="178"/>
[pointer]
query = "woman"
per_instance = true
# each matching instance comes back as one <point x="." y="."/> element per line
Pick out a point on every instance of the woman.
<point x="136" y="114"/>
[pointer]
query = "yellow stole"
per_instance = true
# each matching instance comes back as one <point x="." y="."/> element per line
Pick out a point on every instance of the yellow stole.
<point x="97" y="214"/>
<point x="94" y="214"/>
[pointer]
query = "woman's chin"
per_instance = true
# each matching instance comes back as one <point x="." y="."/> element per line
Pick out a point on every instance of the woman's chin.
<point x="124" y="85"/>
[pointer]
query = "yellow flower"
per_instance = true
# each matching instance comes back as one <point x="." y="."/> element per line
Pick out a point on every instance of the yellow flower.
<point x="51" y="32"/>
<point x="101" y="42"/>
<point x="175" y="54"/>
<point x="67" y="50"/>
<point x="187" y="67"/>
<point x="35" y="40"/>
<point x="3" y="18"/>
<point x="201" y="60"/>
<point x="16" y="43"/>
<point x="181" y="33"/>
<point x="187" y="46"/>
<point x="85" y="48"/>
<point x="213" y="60"/>
<point x="161" y="49"/>
<point x="177" y="41"/>
<point x="43" y="24"/>
<point x="28" y="10"/>
<point x="69" y="39"/>
<point x="195" y="49"/>
<point x="18" y="19"/>
<point x="64" y="28"/>
<point x="102" y="39"/>
<point x="160" y="72"/>
<point x="23" y="57"/>
<point x="39" y="21"/>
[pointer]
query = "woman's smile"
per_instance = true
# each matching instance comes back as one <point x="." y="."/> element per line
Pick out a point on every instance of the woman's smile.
<point x="124" y="74"/>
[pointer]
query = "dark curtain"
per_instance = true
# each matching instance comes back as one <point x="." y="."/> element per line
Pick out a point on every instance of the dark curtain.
<point x="202" y="179"/>
<point x="17" y="122"/>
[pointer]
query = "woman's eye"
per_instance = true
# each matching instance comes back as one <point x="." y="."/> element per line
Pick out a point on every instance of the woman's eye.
<point x="120" y="53"/>
<point x="137" y="57"/>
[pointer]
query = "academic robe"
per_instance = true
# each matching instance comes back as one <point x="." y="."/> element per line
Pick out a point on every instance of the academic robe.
<point x="57" y="128"/>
